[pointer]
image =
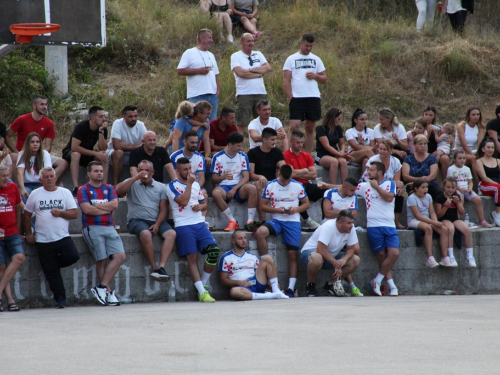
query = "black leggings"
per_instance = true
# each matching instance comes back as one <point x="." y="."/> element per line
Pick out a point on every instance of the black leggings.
<point x="458" y="20"/>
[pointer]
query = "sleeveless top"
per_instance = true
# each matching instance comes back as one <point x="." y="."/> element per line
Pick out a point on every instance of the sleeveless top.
<point x="492" y="173"/>
<point x="218" y="8"/>
<point x="470" y="134"/>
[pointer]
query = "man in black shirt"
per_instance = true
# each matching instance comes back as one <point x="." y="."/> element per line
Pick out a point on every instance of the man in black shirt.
<point x="493" y="129"/>
<point x="80" y="149"/>
<point x="155" y="154"/>
<point x="264" y="161"/>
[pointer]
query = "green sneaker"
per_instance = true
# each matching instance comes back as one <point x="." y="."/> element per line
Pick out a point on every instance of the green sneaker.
<point x="251" y="226"/>
<point x="206" y="297"/>
<point x="355" y="292"/>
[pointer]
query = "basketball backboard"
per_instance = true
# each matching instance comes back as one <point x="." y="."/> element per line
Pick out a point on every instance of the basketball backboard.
<point x="83" y="22"/>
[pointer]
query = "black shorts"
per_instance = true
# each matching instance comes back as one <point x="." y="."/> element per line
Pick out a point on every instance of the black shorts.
<point x="84" y="159"/>
<point x="314" y="193"/>
<point x="237" y="18"/>
<point x="305" y="109"/>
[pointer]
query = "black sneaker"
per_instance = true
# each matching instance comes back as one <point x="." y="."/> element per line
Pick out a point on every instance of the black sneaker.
<point x="75" y="191"/>
<point x="311" y="290"/>
<point x="61" y="303"/>
<point x="160" y="274"/>
<point x="328" y="288"/>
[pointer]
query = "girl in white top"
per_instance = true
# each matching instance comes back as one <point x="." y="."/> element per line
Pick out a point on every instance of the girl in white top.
<point x="421" y="215"/>
<point x="30" y="162"/>
<point x="463" y="175"/>
<point x="390" y="128"/>
<point x="360" y="138"/>
<point x="469" y="133"/>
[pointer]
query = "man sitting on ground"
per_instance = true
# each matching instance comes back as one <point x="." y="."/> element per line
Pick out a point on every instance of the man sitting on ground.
<point x="323" y="250"/>
<point x="281" y="198"/>
<point x="242" y="272"/>
<point x="230" y="170"/>
<point x="147" y="210"/>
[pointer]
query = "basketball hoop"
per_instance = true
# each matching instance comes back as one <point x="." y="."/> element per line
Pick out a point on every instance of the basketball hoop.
<point x="25" y="32"/>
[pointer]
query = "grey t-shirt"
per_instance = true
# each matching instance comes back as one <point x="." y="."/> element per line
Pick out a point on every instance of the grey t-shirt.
<point x="144" y="201"/>
<point x="422" y="205"/>
<point x="245" y="4"/>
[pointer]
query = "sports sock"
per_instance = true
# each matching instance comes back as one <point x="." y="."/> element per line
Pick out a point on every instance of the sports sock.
<point x="204" y="277"/>
<point x="229" y="216"/>
<point x="352" y="285"/>
<point x="379" y="278"/>
<point x="450" y="252"/>
<point x="199" y="287"/>
<point x="391" y="284"/>
<point x="274" y="295"/>
<point x="470" y="252"/>
<point x="291" y="283"/>
<point x="274" y="284"/>
<point x="251" y="214"/>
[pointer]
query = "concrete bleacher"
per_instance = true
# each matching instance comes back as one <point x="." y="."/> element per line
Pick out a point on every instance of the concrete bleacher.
<point x="133" y="281"/>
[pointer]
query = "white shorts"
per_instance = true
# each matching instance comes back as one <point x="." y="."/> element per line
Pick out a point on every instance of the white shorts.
<point x="445" y="149"/>
<point x="413" y="224"/>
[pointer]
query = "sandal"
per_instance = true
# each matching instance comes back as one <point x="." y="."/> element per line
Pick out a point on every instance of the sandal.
<point x="485" y="224"/>
<point x="13" y="307"/>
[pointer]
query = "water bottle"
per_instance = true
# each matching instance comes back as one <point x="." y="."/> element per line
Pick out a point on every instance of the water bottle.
<point x="61" y="184"/>
<point x="171" y="292"/>
<point x="125" y="300"/>
<point x="466" y="219"/>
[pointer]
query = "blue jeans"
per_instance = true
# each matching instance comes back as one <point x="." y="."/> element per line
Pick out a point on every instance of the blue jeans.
<point x="10" y="246"/>
<point x="30" y="186"/>
<point x="212" y="99"/>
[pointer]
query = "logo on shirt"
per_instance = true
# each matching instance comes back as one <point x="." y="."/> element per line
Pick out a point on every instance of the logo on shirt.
<point x="305" y="64"/>
<point x="50" y="204"/>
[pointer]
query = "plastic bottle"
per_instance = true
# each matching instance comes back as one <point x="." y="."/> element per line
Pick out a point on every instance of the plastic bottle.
<point x="440" y="6"/>
<point x="466" y="219"/>
<point x="127" y="300"/>
<point x="211" y="223"/>
<point x="61" y="184"/>
<point x="171" y="292"/>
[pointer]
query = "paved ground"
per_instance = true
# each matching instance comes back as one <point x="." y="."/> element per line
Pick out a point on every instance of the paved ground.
<point x="404" y="335"/>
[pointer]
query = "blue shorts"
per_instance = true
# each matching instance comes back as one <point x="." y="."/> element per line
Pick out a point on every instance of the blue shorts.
<point x="290" y="229"/>
<point x="10" y="246"/>
<point x="381" y="238"/>
<point x="257" y="287"/>
<point x="193" y="238"/>
<point x="305" y="254"/>
<point x="236" y="196"/>
<point x="136" y="226"/>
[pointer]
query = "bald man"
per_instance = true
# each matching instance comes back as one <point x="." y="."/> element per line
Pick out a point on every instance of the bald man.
<point x="153" y="153"/>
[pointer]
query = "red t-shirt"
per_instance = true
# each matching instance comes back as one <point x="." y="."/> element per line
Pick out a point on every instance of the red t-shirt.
<point x="304" y="160"/>
<point x="9" y="199"/>
<point x="25" y="124"/>
<point x="219" y="136"/>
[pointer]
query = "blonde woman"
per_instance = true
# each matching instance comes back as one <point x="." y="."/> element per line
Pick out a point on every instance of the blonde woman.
<point x="390" y="128"/>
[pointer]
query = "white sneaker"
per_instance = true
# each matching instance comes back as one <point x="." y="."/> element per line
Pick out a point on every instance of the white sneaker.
<point x="445" y="262"/>
<point x="394" y="292"/>
<point x="496" y="218"/>
<point x="376" y="288"/>
<point x="112" y="300"/>
<point x="472" y="262"/>
<point x="453" y="262"/>
<point x="230" y="39"/>
<point x="312" y="224"/>
<point x="431" y="262"/>
<point x="100" y="294"/>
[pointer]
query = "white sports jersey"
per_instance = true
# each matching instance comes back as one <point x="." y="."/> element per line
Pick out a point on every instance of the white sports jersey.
<point x="284" y="196"/>
<point x="222" y="162"/>
<point x="340" y="202"/>
<point x="379" y="213"/>
<point x="197" y="161"/>
<point x="329" y="235"/>
<point x="184" y="215"/>
<point x="239" y="267"/>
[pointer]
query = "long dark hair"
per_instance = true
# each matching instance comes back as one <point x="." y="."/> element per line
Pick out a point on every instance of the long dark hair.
<point x="26" y="158"/>
<point x="329" y="119"/>
<point x="480" y="153"/>
<point x="358" y="112"/>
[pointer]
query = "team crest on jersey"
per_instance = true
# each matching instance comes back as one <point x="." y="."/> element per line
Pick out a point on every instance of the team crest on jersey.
<point x="105" y="192"/>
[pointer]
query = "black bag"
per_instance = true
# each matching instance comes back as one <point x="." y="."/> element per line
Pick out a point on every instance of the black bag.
<point x="469" y="5"/>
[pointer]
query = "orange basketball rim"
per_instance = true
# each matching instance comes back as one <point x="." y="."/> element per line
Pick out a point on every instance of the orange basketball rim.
<point x="25" y="32"/>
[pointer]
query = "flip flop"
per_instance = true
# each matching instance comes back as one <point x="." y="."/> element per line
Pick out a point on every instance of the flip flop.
<point x="13" y="307"/>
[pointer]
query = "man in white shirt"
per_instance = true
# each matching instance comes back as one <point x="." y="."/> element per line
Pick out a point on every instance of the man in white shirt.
<point x="200" y="68"/>
<point x="265" y="121"/>
<point x="126" y="134"/>
<point x="193" y="236"/>
<point x="301" y="74"/>
<point x="382" y="234"/>
<point x="281" y="198"/>
<point x="54" y="208"/>
<point x="249" y="68"/>
<point x="247" y="277"/>
<point x="324" y="251"/>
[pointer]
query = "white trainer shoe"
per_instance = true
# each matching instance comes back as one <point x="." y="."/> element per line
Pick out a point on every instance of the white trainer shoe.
<point x="453" y="262"/>
<point x="431" y="262"/>
<point x="112" y="300"/>
<point x="472" y="262"/>
<point x="100" y="294"/>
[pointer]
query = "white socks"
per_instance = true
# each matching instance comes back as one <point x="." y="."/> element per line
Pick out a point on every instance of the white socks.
<point x="470" y="252"/>
<point x="391" y="284"/>
<point x="378" y="279"/>
<point x="228" y="215"/>
<point x="199" y="287"/>
<point x="204" y="277"/>
<point x="450" y="252"/>
<point x="274" y="284"/>
<point x="274" y="295"/>
<point x="291" y="283"/>
<point x="251" y="214"/>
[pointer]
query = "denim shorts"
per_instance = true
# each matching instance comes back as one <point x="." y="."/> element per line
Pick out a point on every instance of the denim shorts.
<point x="306" y="254"/>
<point x="10" y="246"/>
<point x="136" y="226"/>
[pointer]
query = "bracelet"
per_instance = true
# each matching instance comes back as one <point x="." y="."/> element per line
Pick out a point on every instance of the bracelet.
<point x="208" y="155"/>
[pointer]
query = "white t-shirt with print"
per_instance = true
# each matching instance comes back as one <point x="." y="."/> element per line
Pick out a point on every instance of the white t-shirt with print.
<point x="245" y="86"/>
<point x="379" y="213"/>
<point x="33" y="175"/>
<point x="284" y="196"/>
<point x="49" y="228"/>
<point x="329" y="235"/>
<point x="378" y="132"/>
<point x="394" y="166"/>
<point x="199" y="84"/>
<point x="462" y="175"/>
<point x="184" y="215"/>
<point x="255" y="124"/>
<point x="222" y="162"/>
<point x="239" y="267"/>
<point x="340" y="202"/>
<point x="197" y="161"/>
<point x="299" y="65"/>
<point x="352" y="134"/>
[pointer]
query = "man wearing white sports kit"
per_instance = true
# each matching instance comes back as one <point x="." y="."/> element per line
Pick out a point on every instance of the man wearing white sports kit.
<point x="382" y="234"/>
<point x="193" y="236"/>
<point x="200" y="68"/>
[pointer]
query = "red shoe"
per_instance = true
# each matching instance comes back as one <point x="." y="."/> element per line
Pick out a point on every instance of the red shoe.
<point x="232" y="226"/>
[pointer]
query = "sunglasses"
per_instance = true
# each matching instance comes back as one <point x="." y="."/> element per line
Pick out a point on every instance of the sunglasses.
<point x="250" y="60"/>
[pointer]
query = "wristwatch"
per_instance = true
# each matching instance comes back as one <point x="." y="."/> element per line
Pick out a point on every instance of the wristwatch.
<point x="208" y="155"/>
